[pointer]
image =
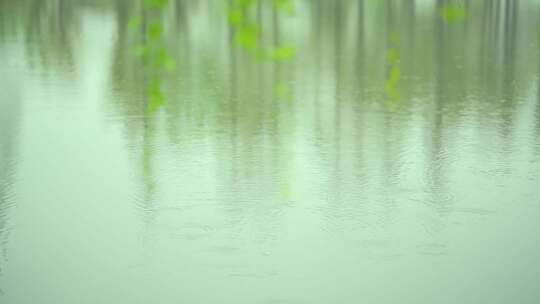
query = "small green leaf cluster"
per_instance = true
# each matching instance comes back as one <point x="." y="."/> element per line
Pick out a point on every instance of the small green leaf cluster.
<point x="452" y="13"/>
<point x="394" y="74"/>
<point x="248" y="34"/>
<point x="152" y="50"/>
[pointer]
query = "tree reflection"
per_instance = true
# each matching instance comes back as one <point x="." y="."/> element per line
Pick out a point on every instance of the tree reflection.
<point x="364" y="78"/>
<point x="48" y="28"/>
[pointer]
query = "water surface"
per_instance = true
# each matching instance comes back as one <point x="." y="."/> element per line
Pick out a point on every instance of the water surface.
<point x="310" y="152"/>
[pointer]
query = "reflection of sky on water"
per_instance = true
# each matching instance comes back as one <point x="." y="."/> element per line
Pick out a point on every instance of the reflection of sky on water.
<point x="341" y="146"/>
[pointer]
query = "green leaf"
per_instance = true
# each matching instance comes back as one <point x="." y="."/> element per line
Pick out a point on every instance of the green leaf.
<point x="282" y="53"/>
<point x="155" y="4"/>
<point x="243" y="3"/>
<point x="391" y="83"/>
<point x="156" y="97"/>
<point x="236" y="17"/>
<point x="248" y="37"/>
<point x="392" y="56"/>
<point x="155" y="31"/>
<point x="452" y="13"/>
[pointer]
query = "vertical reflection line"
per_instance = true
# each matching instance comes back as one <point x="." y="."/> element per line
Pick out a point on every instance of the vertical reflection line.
<point x="276" y="128"/>
<point x="10" y="118"/>
<point x="337" y="65"/>
<point x="537" y="110"/>
<point x="435" y="145"/>
<point x="508" y="84"/>
<point x="275" y="24"/>
<point x="388" y="163"/>
<point x="510" y="30"/>
<point x="233" y="98"/>
<point x="182" y="21"/>
<point x="440" y="95"/>
<point x="337" y="119"/>
<point x="318" y="28"/>
<point x="260" y="65"/>
<point x="147" y="136"/>
<point x="486" y="42"/>
<point x="358" y="115"/>
<point x="411" y="26"/>
<point x="360" y="44"/>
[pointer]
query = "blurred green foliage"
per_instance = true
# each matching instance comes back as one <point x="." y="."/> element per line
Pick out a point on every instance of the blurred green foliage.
<point x="394" y="73"/>
<point x="283" y="53"/>
<point x="152" y="50"/>
<point x="247" y="33"/>
<point x="286" y="6"/>
<point x="248" y="37"/>
<point x="155" y="4"/>
<point x="452" y="12"/>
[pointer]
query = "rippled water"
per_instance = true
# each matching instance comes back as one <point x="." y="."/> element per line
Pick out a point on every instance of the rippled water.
<point x="347" y="152"/>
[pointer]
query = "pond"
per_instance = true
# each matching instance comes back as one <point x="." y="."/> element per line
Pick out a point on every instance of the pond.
<point x="269" y="151"/>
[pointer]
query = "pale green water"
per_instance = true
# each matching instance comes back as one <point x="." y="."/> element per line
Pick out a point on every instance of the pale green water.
<point x="384" y="153"/>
